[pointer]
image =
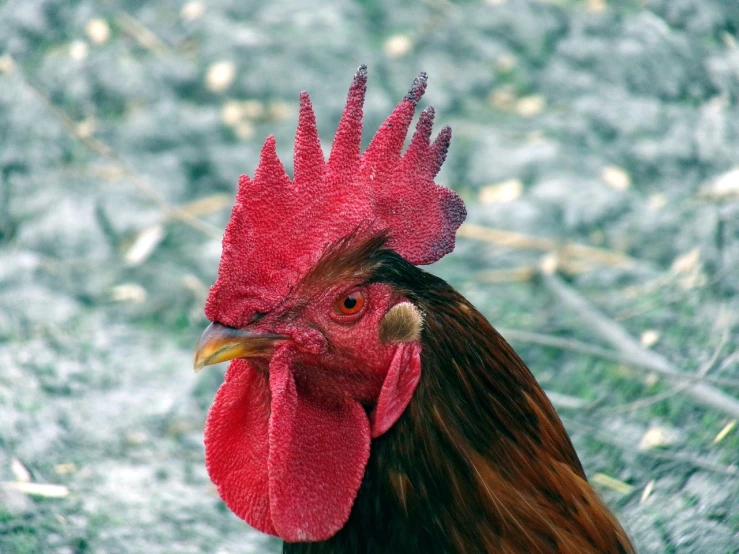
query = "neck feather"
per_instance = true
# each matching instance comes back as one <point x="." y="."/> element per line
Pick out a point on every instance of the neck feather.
<point x="479" y="461"/>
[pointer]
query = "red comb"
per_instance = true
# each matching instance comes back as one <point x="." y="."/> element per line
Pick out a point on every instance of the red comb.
<point x="279" y="227"/>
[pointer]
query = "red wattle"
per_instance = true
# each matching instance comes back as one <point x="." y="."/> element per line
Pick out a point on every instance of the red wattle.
<point x="237" y="444"/>
<point x="285" y="464"/>
<point x="318" y="454"/>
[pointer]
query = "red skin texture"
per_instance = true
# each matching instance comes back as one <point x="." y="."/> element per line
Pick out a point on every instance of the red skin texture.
<point x="397" y="389"/>
<point x="237" y="444"/>
<point x="318" y="452"/>
<point x="279" y="228"/>
<point x="287" y="439"/>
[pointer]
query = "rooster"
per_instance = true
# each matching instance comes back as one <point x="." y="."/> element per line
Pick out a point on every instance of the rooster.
<point x="368" y="406"/>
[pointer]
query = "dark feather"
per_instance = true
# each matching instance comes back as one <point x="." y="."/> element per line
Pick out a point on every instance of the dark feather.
<point x="479" y="462"/>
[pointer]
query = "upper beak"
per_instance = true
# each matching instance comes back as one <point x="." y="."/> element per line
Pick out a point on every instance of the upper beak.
<point x="219" y="343"/>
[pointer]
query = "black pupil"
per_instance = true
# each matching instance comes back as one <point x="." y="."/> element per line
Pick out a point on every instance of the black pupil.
<point x="350" y="302"/>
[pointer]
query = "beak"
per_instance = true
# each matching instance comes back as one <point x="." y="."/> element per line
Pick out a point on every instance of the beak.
<point x="219" y="343"/>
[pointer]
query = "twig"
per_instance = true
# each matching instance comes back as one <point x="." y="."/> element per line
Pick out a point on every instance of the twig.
<point x="565" y="401"/>
<point x="702" y="372"/>
<point x="608" y="438"/>
<point x="208" y="205"/>
<point x="141" y="33"/>
<point x="510" y="239"/>
<point x="516" y="335"/>
<point x="730" y="360"/>
<point x="103" y="221"/>
<point x="617" y="336"/>
<point x="512" y="275"/>
<point x="684" y="458"/>
<point x="99" y="147"/>
<point x="42" y="490"/>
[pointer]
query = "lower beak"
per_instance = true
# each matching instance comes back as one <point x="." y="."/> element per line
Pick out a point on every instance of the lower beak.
<point x="219" y="343"/>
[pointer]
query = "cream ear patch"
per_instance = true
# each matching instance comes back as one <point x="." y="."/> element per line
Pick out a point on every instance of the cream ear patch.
<point x="402" y="323"/>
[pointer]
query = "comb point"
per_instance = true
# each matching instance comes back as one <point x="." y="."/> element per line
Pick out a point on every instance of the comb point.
<point x="279" y="226"/>
<point x="308" y="156"/>
<point x="441" y="147"/>
<point x="270" y="145"/>
<point x="361" y="73"/>
<point x="417" y="88"/>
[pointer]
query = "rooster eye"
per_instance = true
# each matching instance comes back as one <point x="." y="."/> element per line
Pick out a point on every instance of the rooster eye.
<point x="350" y="304"/>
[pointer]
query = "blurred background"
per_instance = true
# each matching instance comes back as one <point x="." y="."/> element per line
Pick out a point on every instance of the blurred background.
<point x="596" y="143"/>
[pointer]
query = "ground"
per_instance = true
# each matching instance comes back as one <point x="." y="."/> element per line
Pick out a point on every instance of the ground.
<point x="609" y="124"/>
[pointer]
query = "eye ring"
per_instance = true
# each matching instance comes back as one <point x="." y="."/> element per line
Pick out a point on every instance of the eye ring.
<point x="350" y="304"/>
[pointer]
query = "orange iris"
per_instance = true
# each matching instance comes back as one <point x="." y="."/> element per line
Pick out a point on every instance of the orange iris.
<point x="350" y="304"/>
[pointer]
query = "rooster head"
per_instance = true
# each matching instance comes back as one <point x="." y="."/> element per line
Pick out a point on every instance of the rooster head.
<point x="324" y="357"/>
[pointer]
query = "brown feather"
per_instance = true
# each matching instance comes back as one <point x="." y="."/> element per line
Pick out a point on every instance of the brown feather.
<point x="479" y="462"/>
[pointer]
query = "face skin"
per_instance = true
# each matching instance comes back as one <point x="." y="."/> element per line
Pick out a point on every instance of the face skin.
<point x="335" y="353"/>
<point x="324" y="371"/>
